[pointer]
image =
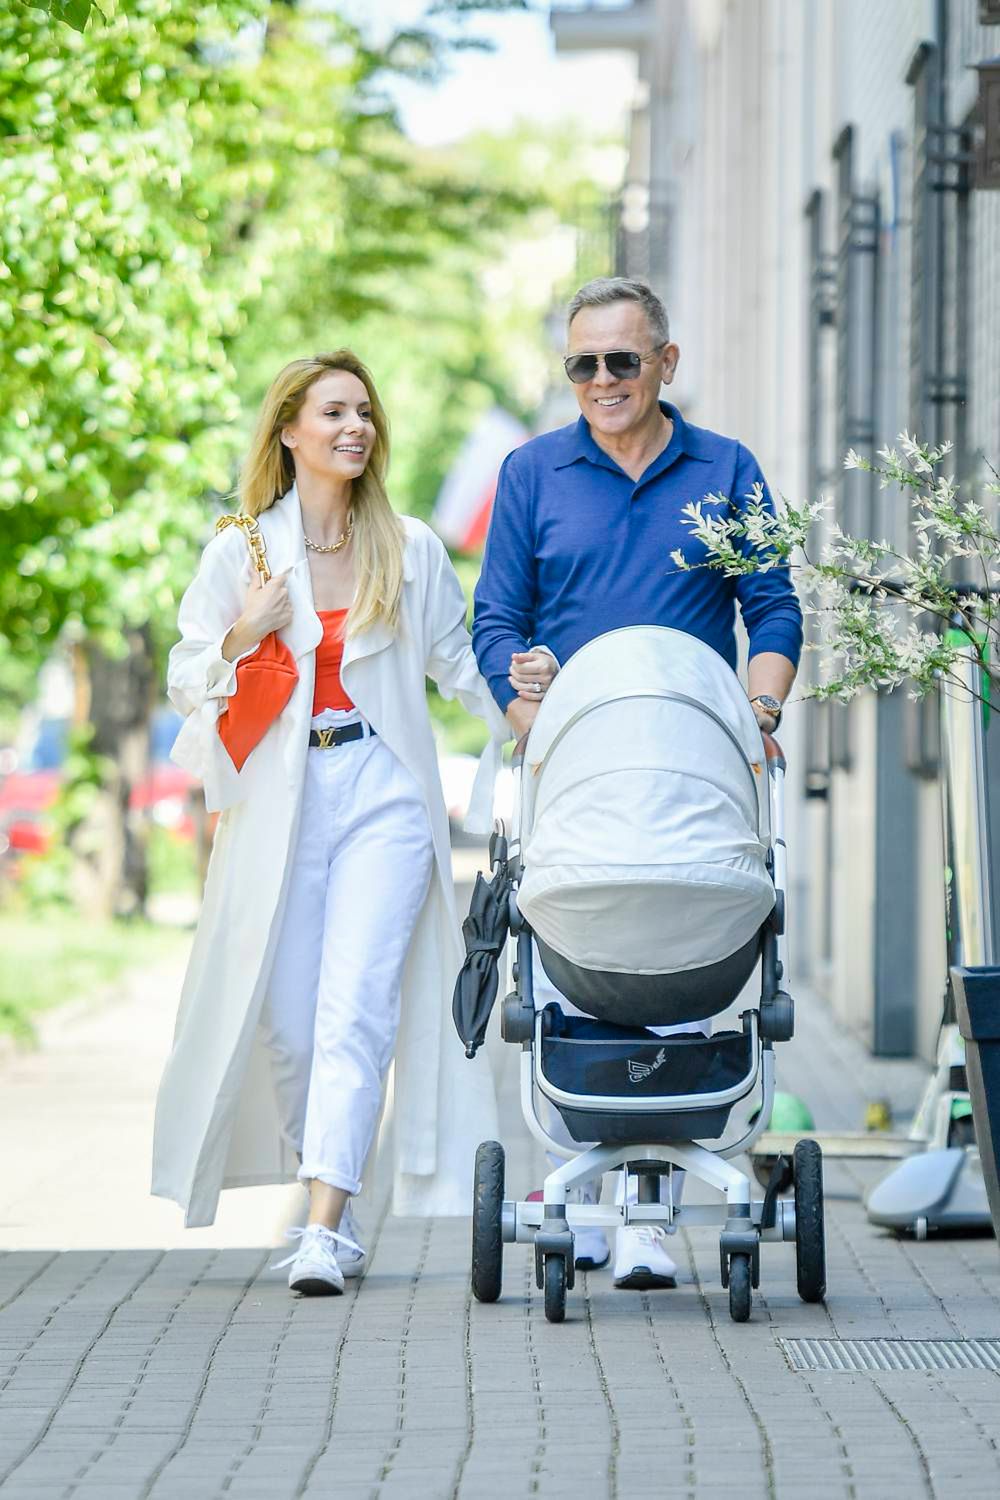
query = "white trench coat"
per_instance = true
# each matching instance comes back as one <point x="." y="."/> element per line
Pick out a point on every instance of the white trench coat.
<point x="216" y="1115"/>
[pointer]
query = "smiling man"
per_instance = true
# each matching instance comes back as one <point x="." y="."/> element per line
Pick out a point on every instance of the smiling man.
<point x="585" y="519"/>
<point x="584" y="524"/>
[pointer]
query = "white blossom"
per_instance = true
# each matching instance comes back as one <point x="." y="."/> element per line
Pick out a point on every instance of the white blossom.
<point x="873" y="602"/>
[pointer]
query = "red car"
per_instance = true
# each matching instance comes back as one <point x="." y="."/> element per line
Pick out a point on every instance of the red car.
<point x="27" y="795"/>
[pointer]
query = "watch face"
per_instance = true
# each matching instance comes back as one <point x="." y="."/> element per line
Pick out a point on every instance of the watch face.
<point x="767" y="702"/>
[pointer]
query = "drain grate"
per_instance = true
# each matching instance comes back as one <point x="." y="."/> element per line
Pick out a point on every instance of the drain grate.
<point x="892" y="1354"/>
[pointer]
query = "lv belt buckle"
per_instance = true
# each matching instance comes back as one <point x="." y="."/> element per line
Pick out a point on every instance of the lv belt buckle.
<point x="325" y="737"/>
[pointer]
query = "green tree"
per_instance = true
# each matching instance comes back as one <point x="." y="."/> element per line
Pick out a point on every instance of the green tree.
<point x="115" y="382"/>
<point x="172" y="188"/>
<point x="174" y="182"/>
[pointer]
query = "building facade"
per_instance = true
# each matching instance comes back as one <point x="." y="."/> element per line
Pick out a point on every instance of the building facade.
<point x="804" y="196"/>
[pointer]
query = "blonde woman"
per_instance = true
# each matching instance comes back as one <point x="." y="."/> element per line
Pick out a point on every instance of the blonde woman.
<point x="329" y="936"/>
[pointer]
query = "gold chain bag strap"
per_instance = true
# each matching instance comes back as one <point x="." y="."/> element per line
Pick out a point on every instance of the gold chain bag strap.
<point x="254" y="538"/>
<point x="266" y="679"/>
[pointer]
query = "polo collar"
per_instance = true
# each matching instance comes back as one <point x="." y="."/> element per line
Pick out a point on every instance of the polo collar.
<point x="578" y="443"/>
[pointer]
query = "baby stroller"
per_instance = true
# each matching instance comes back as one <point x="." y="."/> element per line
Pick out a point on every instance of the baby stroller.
<point x="645" y="867"/>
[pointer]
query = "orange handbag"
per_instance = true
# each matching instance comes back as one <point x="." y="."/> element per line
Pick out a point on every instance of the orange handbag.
<point x="264" y="681"/>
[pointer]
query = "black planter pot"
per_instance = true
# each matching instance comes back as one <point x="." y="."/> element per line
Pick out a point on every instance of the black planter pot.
<point x="977" y="1011"/>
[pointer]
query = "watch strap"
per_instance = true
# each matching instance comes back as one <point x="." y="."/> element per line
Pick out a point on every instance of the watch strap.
<point x="766" y="700"/>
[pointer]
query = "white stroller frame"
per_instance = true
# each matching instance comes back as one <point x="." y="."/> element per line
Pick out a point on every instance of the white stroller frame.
<point x="550" y="1224"/>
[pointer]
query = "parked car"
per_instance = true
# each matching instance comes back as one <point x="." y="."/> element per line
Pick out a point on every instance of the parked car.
<point x="30" y="781"/>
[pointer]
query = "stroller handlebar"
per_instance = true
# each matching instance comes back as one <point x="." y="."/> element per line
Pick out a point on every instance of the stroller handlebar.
<point x="774" y="753"/>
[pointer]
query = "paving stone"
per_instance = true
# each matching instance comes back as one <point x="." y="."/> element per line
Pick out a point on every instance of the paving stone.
<point x="191" y="1375"/>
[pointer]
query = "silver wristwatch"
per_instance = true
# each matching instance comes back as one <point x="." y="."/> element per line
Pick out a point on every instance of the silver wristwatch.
<point x="770" y="705"/>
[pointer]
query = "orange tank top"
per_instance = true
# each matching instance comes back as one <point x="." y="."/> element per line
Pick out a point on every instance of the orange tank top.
<point x="329" y="690"/>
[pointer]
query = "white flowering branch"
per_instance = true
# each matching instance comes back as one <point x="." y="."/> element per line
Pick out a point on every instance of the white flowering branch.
<point x="886" y="616"/>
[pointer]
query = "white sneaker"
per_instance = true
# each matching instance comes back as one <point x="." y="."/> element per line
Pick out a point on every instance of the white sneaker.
<point x="315" y="1272"/>
<point x="352" y="1258"/>
<point x="591" y="1251"/>
<point x="641" y="1262"/>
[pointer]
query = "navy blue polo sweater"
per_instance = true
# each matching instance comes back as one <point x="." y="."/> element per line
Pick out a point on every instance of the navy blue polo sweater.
<point x="577" y="548"/>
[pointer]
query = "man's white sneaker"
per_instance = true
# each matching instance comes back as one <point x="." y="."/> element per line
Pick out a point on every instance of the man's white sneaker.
<point x="352" y="1258"/>
<point x="641" y="1262"/>
<point x="315" y="1272"/>
<point x="591" y="1251"/>
<point x="590" y="1246"/>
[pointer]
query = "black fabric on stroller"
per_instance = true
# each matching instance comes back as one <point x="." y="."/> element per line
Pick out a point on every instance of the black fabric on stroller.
<point x="652" y="999"/>
<point x="601" y="1060"/>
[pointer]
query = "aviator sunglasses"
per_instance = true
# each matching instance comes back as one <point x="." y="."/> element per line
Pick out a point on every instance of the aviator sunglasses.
<point x="621" y="364"/>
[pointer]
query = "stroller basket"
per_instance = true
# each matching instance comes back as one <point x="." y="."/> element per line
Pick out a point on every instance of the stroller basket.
<point x="617" y="1084"/>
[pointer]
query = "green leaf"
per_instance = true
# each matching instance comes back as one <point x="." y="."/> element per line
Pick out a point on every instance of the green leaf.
<point x="74" y="13"/>
<point x="179" y="219"/>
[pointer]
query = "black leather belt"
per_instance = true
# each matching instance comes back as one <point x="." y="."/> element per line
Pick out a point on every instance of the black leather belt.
<point x="326" y="739"/>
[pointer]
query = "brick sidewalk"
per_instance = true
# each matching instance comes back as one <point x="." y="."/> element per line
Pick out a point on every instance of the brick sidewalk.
<point x="190" y="1374"/>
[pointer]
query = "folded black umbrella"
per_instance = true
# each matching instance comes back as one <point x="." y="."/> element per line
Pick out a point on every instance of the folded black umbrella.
<point x="485" y="932"/>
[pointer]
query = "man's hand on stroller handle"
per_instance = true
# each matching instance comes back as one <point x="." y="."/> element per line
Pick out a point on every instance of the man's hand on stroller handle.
<point x="532" y="673"/>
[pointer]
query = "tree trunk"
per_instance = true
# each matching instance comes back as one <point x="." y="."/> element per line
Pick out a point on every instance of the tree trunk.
<point x="115" y="695"/>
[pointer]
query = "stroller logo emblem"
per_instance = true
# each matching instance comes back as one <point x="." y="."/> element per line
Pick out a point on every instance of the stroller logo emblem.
<point x="637" y="1071"/>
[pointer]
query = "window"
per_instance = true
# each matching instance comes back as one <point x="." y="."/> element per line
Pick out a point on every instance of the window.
<point x="821" y="462"/>
<point x="857" y="334"/>
<point x="856" y="317"/>
<point x="939" y="311"/>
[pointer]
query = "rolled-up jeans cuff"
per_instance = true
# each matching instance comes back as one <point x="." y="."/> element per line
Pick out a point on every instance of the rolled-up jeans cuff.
<point x="345" y="1184"/>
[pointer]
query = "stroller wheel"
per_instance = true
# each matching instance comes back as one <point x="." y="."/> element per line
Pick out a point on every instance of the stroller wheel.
<point x="555" y="1288"/>
<point x="487" y="1223"/>
<point x="810" y="1234"/>
<point x="740" y="1294"/>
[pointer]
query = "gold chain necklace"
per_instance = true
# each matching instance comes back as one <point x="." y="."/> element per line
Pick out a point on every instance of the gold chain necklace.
<point x="342" y="541"/>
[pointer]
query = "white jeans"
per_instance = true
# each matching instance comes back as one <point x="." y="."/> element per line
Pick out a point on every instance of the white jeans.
<point x="359" y="878"/>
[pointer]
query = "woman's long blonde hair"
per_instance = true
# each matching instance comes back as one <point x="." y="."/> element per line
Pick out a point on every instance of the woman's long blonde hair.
<point x="269" y="472"/>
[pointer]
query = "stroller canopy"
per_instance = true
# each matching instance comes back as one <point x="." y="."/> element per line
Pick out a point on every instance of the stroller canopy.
<point x="644" y="812"/>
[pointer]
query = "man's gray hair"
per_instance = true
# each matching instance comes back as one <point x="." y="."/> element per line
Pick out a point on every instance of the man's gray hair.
<point x="606" y="289"/>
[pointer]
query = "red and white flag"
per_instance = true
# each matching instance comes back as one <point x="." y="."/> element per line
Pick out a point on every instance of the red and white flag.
<point x="464" y="505"/>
